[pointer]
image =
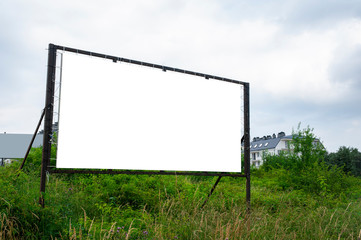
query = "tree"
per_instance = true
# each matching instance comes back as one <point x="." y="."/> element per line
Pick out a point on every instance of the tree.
<point x="307" y="146"/>
<point x="305" y="169"/>
<point x="348" y="158"/>
<point x="306" y="151"/>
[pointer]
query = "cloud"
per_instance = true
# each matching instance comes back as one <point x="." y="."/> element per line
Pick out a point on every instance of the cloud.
<point x="302" y="58"/>
<point x="346" y="68"/>
<point x="295" y="15"/>
<point x="321" y="14"/>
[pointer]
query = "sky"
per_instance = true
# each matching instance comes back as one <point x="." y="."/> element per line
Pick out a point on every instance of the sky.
<point x="301" y="58"/>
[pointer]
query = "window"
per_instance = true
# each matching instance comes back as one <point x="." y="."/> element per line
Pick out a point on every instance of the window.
<point x="260" y="145"/>
<point x="255" y="145"/>
<point x="266" y="144"/>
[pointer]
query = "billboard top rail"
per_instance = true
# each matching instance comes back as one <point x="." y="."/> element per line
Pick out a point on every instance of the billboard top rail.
<point x="164" y="68"/>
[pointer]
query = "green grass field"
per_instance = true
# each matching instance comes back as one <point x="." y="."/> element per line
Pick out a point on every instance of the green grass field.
<point x="169" y="207"/>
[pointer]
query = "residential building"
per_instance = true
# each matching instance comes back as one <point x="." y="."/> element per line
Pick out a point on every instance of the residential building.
<point x="274" y="144"/>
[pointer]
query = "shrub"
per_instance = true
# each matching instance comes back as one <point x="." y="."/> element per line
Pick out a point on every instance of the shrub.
<point x="304" y="168"/>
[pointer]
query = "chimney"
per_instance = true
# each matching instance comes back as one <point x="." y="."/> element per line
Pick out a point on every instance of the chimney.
<point x="273" y="135"/>
<point x="281" y="134"/>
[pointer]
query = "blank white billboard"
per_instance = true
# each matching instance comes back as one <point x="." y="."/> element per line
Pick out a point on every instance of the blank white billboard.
<point x="125" y="116"/>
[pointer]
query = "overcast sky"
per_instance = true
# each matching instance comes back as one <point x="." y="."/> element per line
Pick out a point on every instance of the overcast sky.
<point x="302" y="58"/>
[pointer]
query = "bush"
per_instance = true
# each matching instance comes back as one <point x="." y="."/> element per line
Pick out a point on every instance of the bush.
<point x="304" y="168"/>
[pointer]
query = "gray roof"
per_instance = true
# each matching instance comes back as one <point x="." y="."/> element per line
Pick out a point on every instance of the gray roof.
<point x="264" y="144"/>
<point x="15" y="145"/>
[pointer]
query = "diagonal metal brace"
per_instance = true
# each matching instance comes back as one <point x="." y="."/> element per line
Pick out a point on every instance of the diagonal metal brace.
<point x="32" y="140"/>
<point x="214" y="187"/>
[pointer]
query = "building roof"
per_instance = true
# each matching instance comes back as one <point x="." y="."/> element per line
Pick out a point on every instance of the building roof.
<point x="268" y="142"/>
<point x="264" y="144"/>
<point x="15" y="145"/>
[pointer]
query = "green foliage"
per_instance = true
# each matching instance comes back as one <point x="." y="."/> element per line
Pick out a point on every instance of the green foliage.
<point x="283" y="160"/>
<point x="305" y="150"/>
<point x="312" y="204"/>
<point x="347" y="158"/>
<point x="33" y="162"/>
<point x="307" y="147"/>
<point x="304" y="168"/>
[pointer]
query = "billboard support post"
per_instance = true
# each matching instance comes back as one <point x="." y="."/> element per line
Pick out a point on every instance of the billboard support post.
<point x="48" y="122"/>
<point x="247" y="161"/>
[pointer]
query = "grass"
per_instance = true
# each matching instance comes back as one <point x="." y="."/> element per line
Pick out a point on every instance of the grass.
<point x="168" y="207"/>
<point x="176" y="220"/>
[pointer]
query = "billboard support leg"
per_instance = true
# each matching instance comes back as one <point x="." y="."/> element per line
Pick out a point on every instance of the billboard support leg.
<point x="32" y="140"/>
<point x="48" y="122"/>
<point x="214" y="187"/>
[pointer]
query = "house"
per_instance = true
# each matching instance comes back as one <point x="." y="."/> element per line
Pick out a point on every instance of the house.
<point x="273" y="145"/>
<point x="269" y="144"/>
<point x="14" y="146"/>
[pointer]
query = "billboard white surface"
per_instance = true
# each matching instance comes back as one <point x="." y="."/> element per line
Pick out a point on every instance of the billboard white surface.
<point x="124" y="116"/>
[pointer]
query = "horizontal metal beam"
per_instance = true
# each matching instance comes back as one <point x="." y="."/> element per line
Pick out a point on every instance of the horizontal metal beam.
<point x="110" y="171"/>
<point x="164" y="68"/>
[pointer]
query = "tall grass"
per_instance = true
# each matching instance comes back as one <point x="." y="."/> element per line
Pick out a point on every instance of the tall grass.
<point x="175" y="220"/>
<point x="218" y="221"/>
<point x="8" y="225"/>
<point x="167" y="207"/>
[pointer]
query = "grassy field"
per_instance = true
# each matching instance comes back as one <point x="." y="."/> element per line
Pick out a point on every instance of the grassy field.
<point x="169" y="207"/>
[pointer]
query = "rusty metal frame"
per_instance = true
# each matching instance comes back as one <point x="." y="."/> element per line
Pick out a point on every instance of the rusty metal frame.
<point x="49" y="102"/>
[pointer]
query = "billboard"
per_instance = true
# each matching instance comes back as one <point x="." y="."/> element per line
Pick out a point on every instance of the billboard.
<point x="126" y="116"/>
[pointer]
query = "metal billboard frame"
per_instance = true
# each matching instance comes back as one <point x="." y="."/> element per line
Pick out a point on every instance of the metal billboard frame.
<point x="48" y="122"/>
